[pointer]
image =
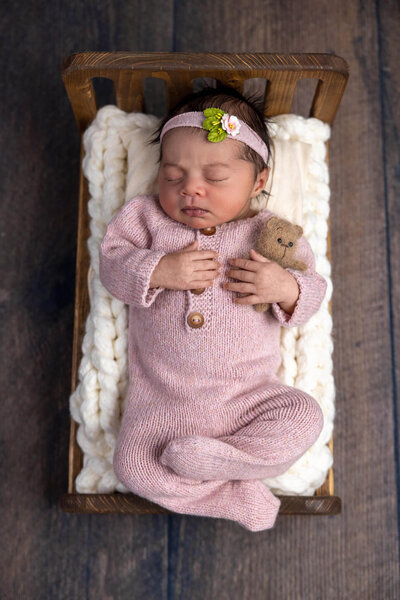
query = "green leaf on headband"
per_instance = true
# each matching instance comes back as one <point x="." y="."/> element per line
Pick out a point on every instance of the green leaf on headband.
<point x="217" y="134"/>
<point x="213" y="112"/>
<point x="209" y="123"/>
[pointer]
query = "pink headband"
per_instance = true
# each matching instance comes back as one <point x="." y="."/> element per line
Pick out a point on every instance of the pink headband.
<point x="220" y="125"/>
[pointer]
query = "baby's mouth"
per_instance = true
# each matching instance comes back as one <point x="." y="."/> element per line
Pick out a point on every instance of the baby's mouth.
<point x="194" y="211"/>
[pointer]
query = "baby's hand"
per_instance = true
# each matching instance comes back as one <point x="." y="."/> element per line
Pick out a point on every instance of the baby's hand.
<point x="186" y="269"/>
<point x="263" y="280"/>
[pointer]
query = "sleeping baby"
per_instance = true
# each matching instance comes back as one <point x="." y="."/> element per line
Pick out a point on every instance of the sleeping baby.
<point x="206" y="417"/>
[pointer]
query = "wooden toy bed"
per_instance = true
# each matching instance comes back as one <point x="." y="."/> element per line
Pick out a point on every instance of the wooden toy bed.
<point x="128" y="72"/>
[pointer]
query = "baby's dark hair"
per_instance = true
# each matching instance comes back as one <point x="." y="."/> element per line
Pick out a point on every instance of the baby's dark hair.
<point x="233" y="102"/>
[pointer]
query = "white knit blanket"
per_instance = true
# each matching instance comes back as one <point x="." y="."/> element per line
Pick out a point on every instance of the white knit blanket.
<point x="98" y="401"/>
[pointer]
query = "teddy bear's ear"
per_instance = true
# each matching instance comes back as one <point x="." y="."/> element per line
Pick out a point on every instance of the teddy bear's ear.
<point x="299" y="230"/>
<point x="272" y="221"/>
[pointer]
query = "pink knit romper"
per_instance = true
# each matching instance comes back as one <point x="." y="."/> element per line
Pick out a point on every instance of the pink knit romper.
<point x="206" y="417"/>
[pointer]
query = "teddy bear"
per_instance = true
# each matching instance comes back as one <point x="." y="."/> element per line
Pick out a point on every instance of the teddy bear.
<point x="277" y="241"/>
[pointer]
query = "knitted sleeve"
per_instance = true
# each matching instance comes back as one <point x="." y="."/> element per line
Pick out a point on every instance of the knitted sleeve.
<point x="312" y="289"/>
<point x="126" y="262"/>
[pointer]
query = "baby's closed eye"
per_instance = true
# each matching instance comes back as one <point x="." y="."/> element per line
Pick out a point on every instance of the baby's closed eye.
<point x="216" y="173"/>
<point x="216" y="180"/>
<point x="172" y="172"/>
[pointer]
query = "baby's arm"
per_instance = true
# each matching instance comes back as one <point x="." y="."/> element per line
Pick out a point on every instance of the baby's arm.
<point x="126" y="263"/>
<point x="312" y="289"/>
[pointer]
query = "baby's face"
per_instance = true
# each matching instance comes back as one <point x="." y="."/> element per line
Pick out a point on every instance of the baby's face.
<point x="204" y="183"/>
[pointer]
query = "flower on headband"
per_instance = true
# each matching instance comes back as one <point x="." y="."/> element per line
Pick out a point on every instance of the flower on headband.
<point x="230" y="124"/>
<point x="220" y="124"/>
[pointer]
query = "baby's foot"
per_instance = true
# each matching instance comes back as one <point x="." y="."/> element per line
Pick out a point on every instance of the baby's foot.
<point x="250" y="503"/>
<point x="204" y="458"/>
<point x="264" y="509"/>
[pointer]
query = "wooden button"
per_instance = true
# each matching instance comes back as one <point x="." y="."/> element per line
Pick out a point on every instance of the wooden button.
<point x="195" y="320"/>
<point x="198" y="291"/>
<point x="208" y="230"/>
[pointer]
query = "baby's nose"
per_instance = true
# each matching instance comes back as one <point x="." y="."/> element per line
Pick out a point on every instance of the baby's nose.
<point x="192" y="186"/>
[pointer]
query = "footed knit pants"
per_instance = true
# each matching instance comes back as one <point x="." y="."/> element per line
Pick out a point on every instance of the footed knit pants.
<point x="207" y="460"/>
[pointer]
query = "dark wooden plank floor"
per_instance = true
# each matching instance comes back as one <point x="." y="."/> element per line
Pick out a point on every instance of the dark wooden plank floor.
<point x="46" y="554"/>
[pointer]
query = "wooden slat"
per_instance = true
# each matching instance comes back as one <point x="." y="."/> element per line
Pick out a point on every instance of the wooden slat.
<point x="177" y="84"/>
<point x="280" y="91"/>
<point x="129" y="91"/>
<point x="82" y="307"/>
<point x="82" y="98"/>
<point x="131" y="504"/>
<point x="331" y="88"/>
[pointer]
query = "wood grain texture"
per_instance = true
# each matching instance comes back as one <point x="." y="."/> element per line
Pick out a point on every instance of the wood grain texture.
<point x="388" y="19"/>
<point x="46" y="553"/>
<point x="130" y="504"/>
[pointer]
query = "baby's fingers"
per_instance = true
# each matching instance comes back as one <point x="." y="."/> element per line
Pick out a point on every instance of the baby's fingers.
<point x="250" y="299"/>
<point x="206" y="265"/>
<point x="204" y="254"/>
<point x="200" y="284"/>
<point x="239" y="287"/>
<point x="206" y="275"/>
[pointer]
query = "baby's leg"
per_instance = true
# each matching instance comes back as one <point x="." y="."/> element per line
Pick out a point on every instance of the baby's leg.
<point x="285" y="423"/>
<point x="137" y="466"/>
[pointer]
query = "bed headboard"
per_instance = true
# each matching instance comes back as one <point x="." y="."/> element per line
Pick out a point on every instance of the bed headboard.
<point x="178" y="70"/>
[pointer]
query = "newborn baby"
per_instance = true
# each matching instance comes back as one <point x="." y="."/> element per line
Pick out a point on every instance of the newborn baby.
<point x="206" y="417"/>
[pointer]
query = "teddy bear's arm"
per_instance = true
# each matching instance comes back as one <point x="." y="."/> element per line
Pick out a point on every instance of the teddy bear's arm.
<point x="312" y="288"/>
